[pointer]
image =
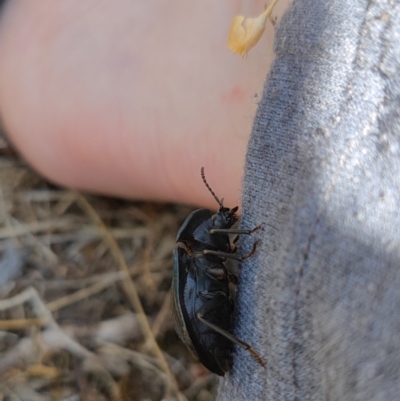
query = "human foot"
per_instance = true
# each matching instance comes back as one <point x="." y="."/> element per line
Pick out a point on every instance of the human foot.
<point x="131" y="99"/>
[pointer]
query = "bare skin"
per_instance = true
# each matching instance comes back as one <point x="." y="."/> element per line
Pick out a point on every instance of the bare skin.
<point x="131" y="98"/>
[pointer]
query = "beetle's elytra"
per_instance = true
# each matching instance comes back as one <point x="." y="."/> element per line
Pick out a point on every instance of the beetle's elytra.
<point x="201" y="302"/>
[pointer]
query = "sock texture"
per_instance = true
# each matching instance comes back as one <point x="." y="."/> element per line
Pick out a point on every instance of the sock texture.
<point x="320" y="300"/>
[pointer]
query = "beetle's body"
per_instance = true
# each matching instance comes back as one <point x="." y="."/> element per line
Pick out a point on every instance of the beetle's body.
<point x="196" y="290"/>
<point x="195" y="231"/>
<point x="201" y="302"/>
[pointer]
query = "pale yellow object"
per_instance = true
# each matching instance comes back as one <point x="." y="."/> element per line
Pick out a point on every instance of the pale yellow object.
<point x="244" y="33"/>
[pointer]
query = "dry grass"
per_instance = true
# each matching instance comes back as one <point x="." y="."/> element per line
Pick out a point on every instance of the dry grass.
<point x="84" y="296"/>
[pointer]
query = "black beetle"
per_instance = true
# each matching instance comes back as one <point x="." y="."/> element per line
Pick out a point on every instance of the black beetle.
<point x="201" y="302"/>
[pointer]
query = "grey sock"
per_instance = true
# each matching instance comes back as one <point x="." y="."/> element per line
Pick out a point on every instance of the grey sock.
<point x="320" y="300"/>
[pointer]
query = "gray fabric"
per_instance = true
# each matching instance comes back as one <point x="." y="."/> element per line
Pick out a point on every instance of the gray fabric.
<point x="320" y="300"/>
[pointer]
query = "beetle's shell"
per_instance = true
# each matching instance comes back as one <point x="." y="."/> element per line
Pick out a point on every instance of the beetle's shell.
<point x="179" y="319"/>
<point x="192" y="223"/>
<point x="190" y="281"/>
<point x="201" y="287"/>
<point x="195" y="231"/>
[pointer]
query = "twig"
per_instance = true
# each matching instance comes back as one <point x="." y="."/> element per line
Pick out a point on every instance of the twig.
<point x="141" y="361"/>
<point x="148" y="280"/>
<point x="29" y="228"/>
<point x="110" y="277"/>
<point x="200" y="383"/>
<point x="18" y="324"/>
<point x="44" y="195"/>
<point x="53" y="336"/>
<point x="165" y="311"/>
<point x="85" y="292"/>
<point x="138" y="359"/>
<point x="85" y="232"/>
<point x="160" y="318"/>
<point x="130" y="290"/>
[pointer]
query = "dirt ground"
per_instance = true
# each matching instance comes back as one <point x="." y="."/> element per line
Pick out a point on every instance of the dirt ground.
<point x="85" y="296"/>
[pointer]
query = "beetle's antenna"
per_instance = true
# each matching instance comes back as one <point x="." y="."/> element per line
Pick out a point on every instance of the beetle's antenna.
<point x="209" y="188"/>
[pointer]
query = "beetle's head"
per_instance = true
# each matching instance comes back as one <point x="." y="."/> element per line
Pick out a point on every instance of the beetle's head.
<point x="225" y="217"/>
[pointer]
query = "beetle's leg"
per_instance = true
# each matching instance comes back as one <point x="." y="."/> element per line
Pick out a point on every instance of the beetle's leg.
<point x="252" y="252"/>
<point x="232" y="338"/>
<point x="228" y="255"/>
<point x="232" y="278"/>
<point x="218" y="273"/>
<point x="221" y="274"/>
<point x="225" y="255"/>
<point x="233" y="244"/>
<point x="210" y="295"/>
<point x="236" y="239"/>
<point x="234" y="230"/>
